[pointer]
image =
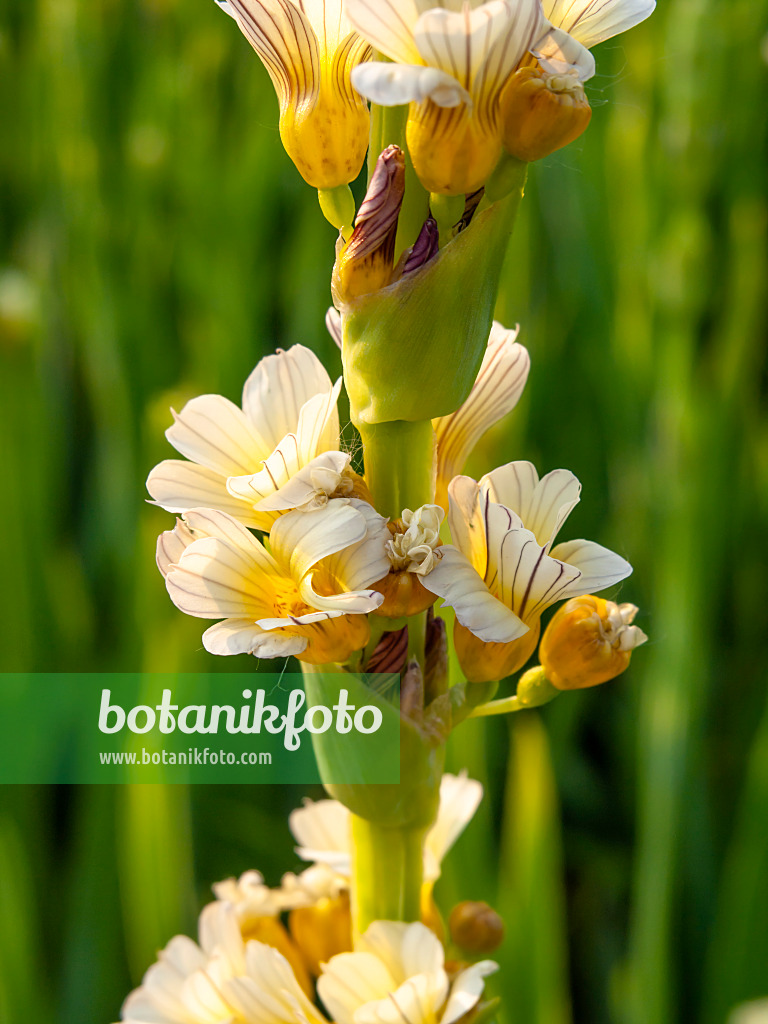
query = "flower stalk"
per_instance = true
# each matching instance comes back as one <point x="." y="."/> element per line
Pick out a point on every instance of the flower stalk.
<point x="386" y="873"/>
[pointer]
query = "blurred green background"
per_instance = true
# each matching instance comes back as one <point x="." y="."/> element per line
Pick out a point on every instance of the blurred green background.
<point x="156" y="242"/>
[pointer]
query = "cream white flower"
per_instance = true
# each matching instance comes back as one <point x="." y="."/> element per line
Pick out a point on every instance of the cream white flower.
<point x="397" y="975"/>
<point x="306" y="597"/>
<point x="322" y="827"/>
<point x="250" y="897"/>
<point x="278" y="452"/>
<point x="503" y="571"/>
<point x="179" y="988"/>
<point x="496" y="392"/>
<point x="451" y="62"/>
<point x="266" y="990"/>
<point x="309" y="49"/>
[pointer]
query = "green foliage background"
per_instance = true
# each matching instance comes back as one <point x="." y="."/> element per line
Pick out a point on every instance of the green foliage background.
<point x="156" y="242"/>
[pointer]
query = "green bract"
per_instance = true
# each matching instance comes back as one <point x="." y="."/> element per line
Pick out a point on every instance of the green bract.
<point x="411" y="351"/>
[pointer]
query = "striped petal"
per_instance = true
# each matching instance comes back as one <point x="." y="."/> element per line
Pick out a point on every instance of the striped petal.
<point x="458" y="42"/>
<point x="458" y="583"/>
<point x="179" y="486"/>
<point x="278" y="388"/>
<point x="494" y="394"/>
<point x="300" y="540"/>
<point x="213" y="432"/>
<point x="318" y="425"/>
<point x="542" y="505"/>
<point x="599" y="567"/>
<point x="357" y="566"/>
<point x="388" y="25"/>
<point x="286" y="42"/>
<point x="525" y="577"/>
<point x="227" y="574"/>
<point x="592" y="21"/>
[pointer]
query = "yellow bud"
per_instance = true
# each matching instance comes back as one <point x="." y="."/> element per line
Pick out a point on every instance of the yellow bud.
<point x="322" y="931"/>
<point x="476" y="927"/>
<point x="589" y="641"/>
<point x="541" y="113"/>
<point x="451" y="151"/>
<point x="271" y="932"/>
<point x="483" y="662"/>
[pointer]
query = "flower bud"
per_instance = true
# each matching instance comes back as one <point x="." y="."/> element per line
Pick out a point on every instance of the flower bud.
<point x="322" y="931"/>
<point x="589" y="641"/>
<point x="365" y="264"/>
<point x="476" y="927"/>
<point x="542" y="113"/>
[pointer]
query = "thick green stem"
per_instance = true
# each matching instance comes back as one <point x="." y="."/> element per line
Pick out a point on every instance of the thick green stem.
<point x="387" y="869"/>
<point x="399" y="464"/>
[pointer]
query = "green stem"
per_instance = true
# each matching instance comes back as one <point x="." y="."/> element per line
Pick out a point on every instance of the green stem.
<point x="497" y="707"/>
<point x="388" y="128"/>
<point x="387" y="869"/>
<point x="399" y="461"/>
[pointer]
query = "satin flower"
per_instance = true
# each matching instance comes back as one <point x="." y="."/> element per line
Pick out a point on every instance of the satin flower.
<point x="220" y="981"/>
<point x="397" y="975"/>
<point x="308" y="596"/>
<point x="309" y="51"/>
<point x="502" y="571"/>
<point x="450" y="63"/>
<point x="496" y="392"/>
<point x="276" y="453"/>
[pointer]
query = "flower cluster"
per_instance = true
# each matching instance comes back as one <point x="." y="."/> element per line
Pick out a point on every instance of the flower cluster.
<point x="249" y="967"/>
<point x="323" y="560"/>
<point x="478" y="78"/>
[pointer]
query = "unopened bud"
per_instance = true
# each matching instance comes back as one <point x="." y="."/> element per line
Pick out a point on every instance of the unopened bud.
<point x="589" y="641"/>
<point x="424" y="248"/>
<point x="476" y="927"/>
<point x="542" y="112"/>
<point x="365" y="264"/>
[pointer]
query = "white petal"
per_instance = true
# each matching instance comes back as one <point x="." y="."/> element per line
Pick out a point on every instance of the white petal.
<point x="459" y="799"/>
<point x="213" y="432"/>
<point x="318" y="426"/>
<point x="393" y="84"/>
<point x="321" y="828"/>
<point x="277" y="389"/>
<point x="171" y="544"/>
<point x="269" y="992"/>
<point x="495" y="393"/>
<point x="299" y="540"/>
<point x="388" y="26"/>
<point x="458" y="583"/>
<point x="458" y="42"/>
<point x="599" y="567"/>
<point x="416" y="1001"/>
<point x="525" y="577"/>
<point x="179" y="486"/>
<point x="242" y="636"/>
<point x="329" y="22"/>
<point x="333" y="324"/>
<point x="543" y="505"/>
<point x="466" y="990"/>
<point x="295" y="487"/>
<point x="559" y="53"/>
<point x="358" y="566"/>
<point x="218" y="579"/>
<point x="592" y="21"/>
<point x="349" y="981"/>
